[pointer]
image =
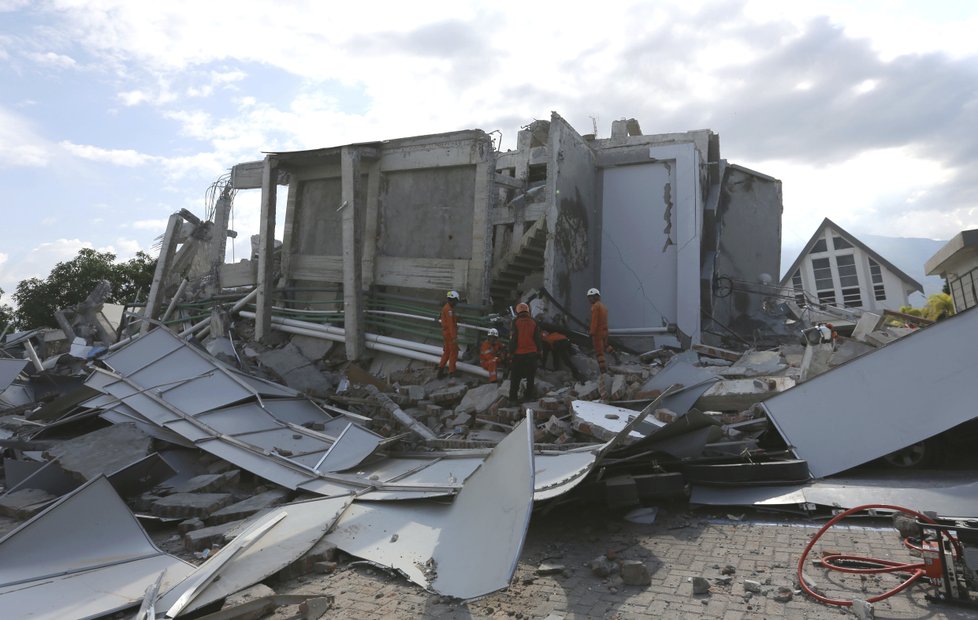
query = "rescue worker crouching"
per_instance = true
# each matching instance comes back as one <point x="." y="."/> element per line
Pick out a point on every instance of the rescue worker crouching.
<point x="493" y="355"/>
<point x="449" y="335"/>
<point x="558" y="344"/>
<point x="525" y="346"/>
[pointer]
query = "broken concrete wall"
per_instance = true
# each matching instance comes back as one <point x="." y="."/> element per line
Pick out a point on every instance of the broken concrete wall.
<point x="653" y="192"/>
<point x="421" y="208"/>
<point x="747" y="246"/>
<point x="573" y="255"/>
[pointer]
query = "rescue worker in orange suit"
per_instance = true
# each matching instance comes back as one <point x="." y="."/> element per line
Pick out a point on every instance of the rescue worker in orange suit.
<point x="492" y="354"/>
<point x="599" y="327"/>
<point x="525" y="348"/>
<point x="449" y="335"/>
<point x="559" y="345"/>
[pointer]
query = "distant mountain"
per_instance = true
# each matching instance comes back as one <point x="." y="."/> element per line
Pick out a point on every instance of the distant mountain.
<point x="908" y="253"/>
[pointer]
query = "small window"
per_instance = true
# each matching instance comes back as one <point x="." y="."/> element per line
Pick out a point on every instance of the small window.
<point x="879" y="291"/>
<point x="819" y="247"/>
<point x="798" y="290"/>
<point x="840" y="244"/>
<point x="847" y="271"/>
<point x="826" y="297"/>
<point x="851" y="297"/>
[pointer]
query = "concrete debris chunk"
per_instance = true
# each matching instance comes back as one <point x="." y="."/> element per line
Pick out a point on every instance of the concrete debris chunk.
<point x="24" y="503"/>
<point x="752" y="586"/>
<point x="480" y="399"/>
<point x="635" y="573"/>
<point x="295" y="370"/>
<point x="602" y="567"/>
<point x="191" y="504"/>
<point x="449" y="395"/>
<point x="205" y="483"/>
<point x="701" y="585"/>
<point x="212" y="536"/>
<point x="104" y="451"/>
<point x="249" y="506"/>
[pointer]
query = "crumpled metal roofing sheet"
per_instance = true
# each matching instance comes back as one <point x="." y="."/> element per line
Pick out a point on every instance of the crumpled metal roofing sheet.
<point x="888" y="399"/>
<point x="83" y="557"/>
<point x="249" y="422"/>
<point x="234" y="567"/>
<point x="465" y="549"/>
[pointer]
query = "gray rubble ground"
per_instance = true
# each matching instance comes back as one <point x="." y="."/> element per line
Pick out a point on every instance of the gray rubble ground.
<point x="556" y="578"/>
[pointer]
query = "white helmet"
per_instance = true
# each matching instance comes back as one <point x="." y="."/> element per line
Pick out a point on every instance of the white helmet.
<point x="494" y="332"/>
<point x="452" y="295"/>
<point x="593" y="291"/>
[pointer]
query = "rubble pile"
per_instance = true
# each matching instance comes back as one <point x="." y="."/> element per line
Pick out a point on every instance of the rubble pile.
<point x="252" y="459"/>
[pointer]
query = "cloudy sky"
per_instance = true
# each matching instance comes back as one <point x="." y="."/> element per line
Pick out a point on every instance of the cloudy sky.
<point x="114" y="113"/>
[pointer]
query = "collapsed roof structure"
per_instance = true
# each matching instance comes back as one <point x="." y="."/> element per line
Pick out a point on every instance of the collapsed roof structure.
<point x="655" y="221"/>
<point x="432" y="478"/>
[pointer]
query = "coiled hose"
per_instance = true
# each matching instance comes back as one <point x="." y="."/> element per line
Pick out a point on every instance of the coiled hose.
<point x="915" y="570"/>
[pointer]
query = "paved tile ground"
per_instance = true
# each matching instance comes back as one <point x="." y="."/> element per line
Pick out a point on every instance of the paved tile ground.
<point x="678" y="546"/>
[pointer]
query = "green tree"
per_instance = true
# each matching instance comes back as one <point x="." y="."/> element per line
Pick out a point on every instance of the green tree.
<point x="6" y="316"/>
<point x="939" y="306"/>
<point x="70" y="282"/>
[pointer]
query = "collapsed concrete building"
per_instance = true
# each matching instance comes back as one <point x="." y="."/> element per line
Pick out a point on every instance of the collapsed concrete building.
<point x="684" y="246"/>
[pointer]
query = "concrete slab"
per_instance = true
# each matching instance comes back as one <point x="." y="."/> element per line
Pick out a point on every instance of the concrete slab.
<point x="248" y="507"/>
<point x="740" y="394"/>
<point x="295" y="370"/>
<point x="755" y="364"/>
<point x="25" y="503"/>
<point x="104" y="451"/>
<point x="205" y="483"/>
<point x="190" y="504"/>
<point x="207" y="537"/>
<point x="480" y="399"/>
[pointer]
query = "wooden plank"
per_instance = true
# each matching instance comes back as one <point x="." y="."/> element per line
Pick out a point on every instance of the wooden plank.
<point x="317" y="268"/>
<point x="426" y="273"/>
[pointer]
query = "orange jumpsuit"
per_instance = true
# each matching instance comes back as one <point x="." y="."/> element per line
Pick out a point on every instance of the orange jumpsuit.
<point x="449" y="335"/>
<point x="491" y="355"/>
<point x="599" y="332"/>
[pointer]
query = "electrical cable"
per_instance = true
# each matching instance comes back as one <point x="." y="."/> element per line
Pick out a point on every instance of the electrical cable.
<point x="869" y="565"/>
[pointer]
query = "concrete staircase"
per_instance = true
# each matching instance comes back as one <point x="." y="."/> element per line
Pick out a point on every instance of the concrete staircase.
<point x="508" y="274"/>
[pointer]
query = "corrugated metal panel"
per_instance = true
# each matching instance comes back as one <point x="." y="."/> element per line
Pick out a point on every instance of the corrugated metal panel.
<point x="465" y="549"/>
<point x="242" y="563"/>
<point x="83" y="557"/>
<point x="888" y="399"/>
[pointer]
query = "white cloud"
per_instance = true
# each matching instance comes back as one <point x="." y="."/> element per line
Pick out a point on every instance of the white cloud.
<point x="20" y="144"/>
<point x="118" y="157"/>
<point x="52" y="59"/>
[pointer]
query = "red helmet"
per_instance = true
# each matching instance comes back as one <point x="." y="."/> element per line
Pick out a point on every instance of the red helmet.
<point x="521" y="307"/>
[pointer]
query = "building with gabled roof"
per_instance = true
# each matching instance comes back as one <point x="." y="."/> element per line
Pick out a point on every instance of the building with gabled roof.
<point x="837" y="269"/>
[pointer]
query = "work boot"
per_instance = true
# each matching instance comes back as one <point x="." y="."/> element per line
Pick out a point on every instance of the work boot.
<point x="441" y="372"/>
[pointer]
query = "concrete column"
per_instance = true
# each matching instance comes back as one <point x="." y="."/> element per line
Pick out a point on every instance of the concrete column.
<point x="352" y="205"/>
<point x="217" y="245"/>
<point x="266" y="246"/>
<point x="155" y="299"/>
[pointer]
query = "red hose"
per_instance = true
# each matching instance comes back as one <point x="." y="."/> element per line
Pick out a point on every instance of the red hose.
<point x="915" y="570"/>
